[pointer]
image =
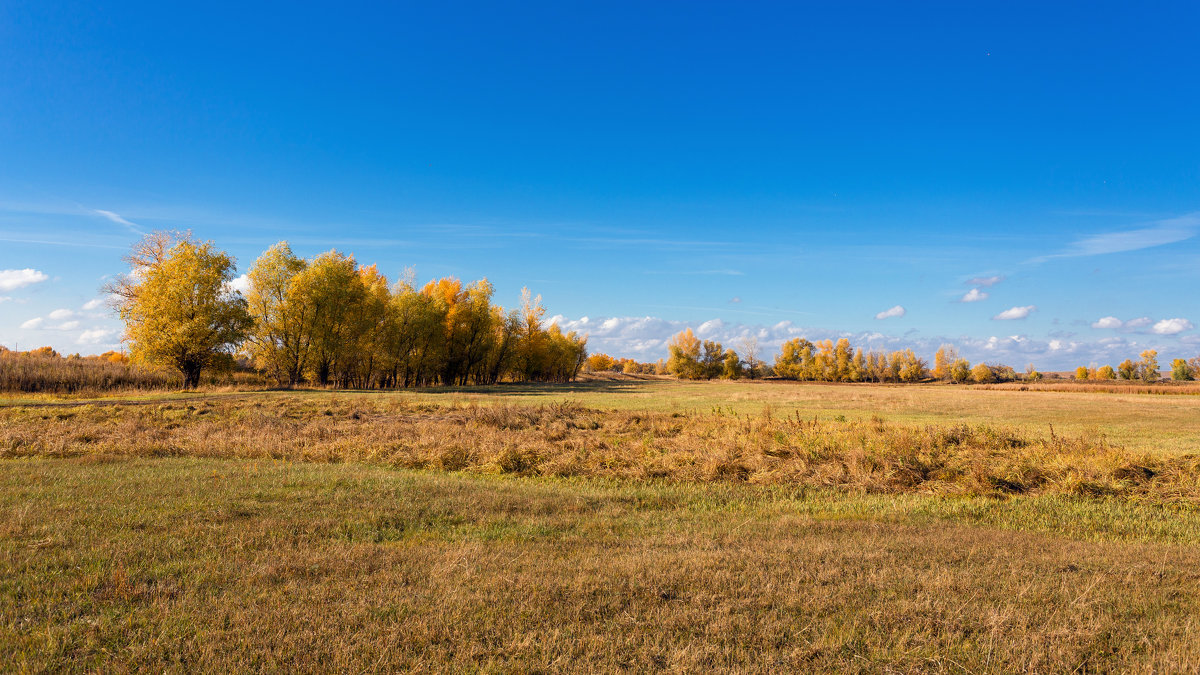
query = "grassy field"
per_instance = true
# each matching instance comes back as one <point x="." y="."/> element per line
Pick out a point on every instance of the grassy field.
<point x="756" y="527"/>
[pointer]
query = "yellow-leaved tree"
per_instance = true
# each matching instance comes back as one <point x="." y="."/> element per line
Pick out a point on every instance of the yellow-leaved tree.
<point x="177" y="304"/>
<point x="282" y="334"/>
<point x="685" y="363"/>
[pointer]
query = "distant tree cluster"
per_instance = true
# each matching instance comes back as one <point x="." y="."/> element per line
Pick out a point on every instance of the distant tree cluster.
<point x="330" y="321"/>
<point x="948" y="366"/>
<point x="693" y="359"/>
<point x="1145" y="369"/>
<point x="829" y="361"/>
<point x="599" y="363"/>
<point x="51" y="353"/>
<point x="1185" y="370"/>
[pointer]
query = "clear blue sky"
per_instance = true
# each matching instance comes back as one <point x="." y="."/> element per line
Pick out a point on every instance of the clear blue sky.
<point x="770" y="169"/>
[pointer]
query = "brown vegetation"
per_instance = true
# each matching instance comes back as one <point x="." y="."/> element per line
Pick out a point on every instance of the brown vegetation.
<point x="565" y="439"/>
<point x="44" y="371"/>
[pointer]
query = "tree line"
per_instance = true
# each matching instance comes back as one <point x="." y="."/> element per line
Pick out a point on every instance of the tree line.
<point x="328" y="320"/>
<point x="828" y="361"/>
<point x="1145" y="369"/>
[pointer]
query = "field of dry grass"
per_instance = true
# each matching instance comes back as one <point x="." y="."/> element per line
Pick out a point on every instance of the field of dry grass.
<point x="639" y="526"/>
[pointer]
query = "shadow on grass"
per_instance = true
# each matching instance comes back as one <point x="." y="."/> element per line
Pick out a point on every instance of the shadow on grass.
<point x="548" y="388"/>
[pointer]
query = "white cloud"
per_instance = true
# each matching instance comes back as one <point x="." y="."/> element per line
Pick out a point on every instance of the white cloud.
<point x="60" y="314"/>
<point x="241" y="284"/>
<point x="1172" y="326"/>
<point x="974" y="295"/>
<point x="1108" y="322"/>
<point x="896" y="311"/>
<point x="735" y="300"/>
<point x="1139" y="322"/>
<point x="1015" y="313"/>
<point x="11" y="280"/>
<point x="32" y="323"/>
<point x="5" y="298"/>
<point x="69" y="325"/>
<point x="987" y="282"/>
<point x="116" y="218"/>
<point x="94" y="336"/>
<point x="94" y="303"/>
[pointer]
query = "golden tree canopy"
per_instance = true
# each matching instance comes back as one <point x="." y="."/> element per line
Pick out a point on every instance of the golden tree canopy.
<point x="178" y="307"/>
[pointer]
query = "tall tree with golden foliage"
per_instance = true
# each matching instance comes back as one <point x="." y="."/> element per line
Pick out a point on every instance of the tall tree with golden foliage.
<point x="684" y="361"/>
<point x="177" y="304"/>
<point x="281" y="336"/>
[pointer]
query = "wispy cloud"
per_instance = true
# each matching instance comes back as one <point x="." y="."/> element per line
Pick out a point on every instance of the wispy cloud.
<point x="714" y="272"/>
<point x="35" y="322"/>
<point x="892" y="312"/>
<point x="986" y="282"/>
<point x="974" y="295"/>
<point x="11" y="280"/>
<point x="116" y="218"/>
<point x="60" y="242"/>
<point x="1015" y="313"/>
<point x="1158" y="233"/>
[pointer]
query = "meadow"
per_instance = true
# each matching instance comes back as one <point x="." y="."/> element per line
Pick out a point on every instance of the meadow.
<point x="631" y="524"/>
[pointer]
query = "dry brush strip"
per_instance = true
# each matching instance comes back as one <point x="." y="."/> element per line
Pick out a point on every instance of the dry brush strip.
<point x="566" y="439"/>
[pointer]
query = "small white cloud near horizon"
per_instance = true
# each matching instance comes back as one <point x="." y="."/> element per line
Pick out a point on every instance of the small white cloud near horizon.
<point x="986" y="282"/>
<point x="94" y="336"/>
<point x="94" y="303"/>
<point x="60" y="314"/>
<point x="1139" y="322"/>
<point x="893" y="312"/>
<point x="69" y="325"/>
<point x="974" y="295"/>
<point x="1108" y="322"/>
<point x="1014" y="313"/>
<point x="35" y="322"/>
<point x="1172" y="326"/>
<point x="11" y="280"/>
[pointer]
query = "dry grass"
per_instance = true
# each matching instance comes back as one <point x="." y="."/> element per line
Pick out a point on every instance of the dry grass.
<point x="213" y="565"/>
<point x="1154" y="424"/>
<point x="606" y="527"/>
<point x="1167" y="388"/>
<point x="565" y="439"/>
<point x="21" y="372"/>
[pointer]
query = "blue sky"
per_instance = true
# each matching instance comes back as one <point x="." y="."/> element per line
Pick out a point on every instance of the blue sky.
<point x="759" y="169"/>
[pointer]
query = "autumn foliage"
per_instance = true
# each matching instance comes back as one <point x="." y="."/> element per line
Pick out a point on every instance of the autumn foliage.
<point x="330" y="321"/>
